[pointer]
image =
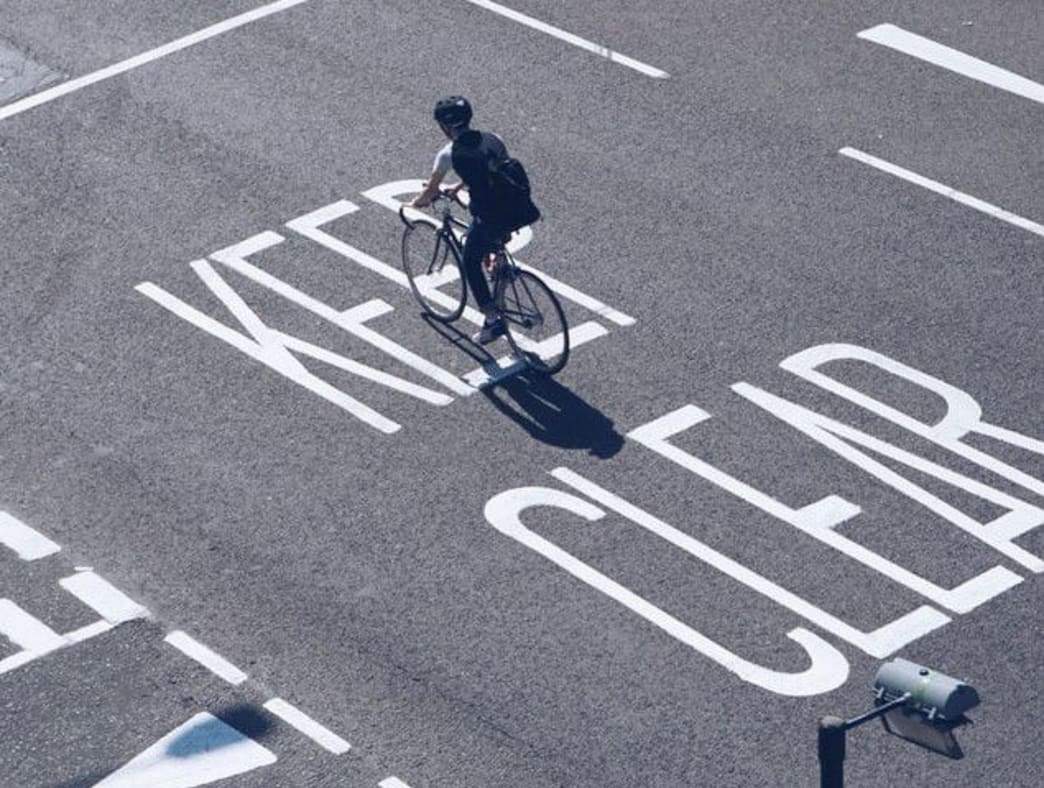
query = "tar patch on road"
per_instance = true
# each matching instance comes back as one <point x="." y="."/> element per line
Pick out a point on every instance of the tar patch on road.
<point x="20" y="74"/>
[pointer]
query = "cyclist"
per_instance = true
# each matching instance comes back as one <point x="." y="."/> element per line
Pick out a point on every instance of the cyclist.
<point x="469" y="153"/>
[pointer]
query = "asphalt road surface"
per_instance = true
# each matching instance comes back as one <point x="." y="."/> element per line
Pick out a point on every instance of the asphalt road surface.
<point x="257" y="527"/>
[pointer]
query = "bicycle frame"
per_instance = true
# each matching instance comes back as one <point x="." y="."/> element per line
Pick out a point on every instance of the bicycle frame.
<point x="446" y="234"/>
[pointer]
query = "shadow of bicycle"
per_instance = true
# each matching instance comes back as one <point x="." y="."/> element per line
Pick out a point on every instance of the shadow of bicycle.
<point x="553" y="414"/>
<point x="548" y="411"/>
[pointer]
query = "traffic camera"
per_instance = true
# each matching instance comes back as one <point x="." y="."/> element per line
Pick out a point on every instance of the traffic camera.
<point x="925" y="705"/>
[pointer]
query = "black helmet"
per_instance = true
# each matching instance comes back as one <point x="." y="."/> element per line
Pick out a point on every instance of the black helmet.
<point x="453" y="111"/>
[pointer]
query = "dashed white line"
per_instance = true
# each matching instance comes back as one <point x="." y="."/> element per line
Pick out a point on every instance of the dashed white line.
<point x="27" y="542"/>
<point x="124" y="66"/>
<point x="306" y="725"/>
<point x="944" y="190"/>
<point x="575" y="40"/>
<point x="392" y="782"/>
<point x="954" y="60"/>
<point x="209" y="659"/>
<point x="97" y="592"/>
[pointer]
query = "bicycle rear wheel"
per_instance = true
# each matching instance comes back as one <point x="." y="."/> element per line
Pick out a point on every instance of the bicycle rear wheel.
<point x="536" y="325"/>
<point x="434" y="272"/>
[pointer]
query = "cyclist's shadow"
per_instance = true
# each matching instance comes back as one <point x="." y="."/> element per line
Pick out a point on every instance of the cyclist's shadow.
<point x="554" y="415"/>
<point x="548" y="411"/>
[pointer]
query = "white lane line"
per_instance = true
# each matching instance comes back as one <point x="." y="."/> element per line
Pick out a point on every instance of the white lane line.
<point x="944" y="190"/>
<point x="123" y="66"/>
<point x="97" y="592"/>
<point x="29" y="543"/>
<point x="211" y="660"/>
<point x="306" y="725"/>
<point x="583" y="43"/>
<point x="392" y="782"/>
<point x="925" y="49"/>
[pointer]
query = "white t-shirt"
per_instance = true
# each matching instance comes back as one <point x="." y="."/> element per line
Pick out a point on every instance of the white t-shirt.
<point x="444" y="158"/>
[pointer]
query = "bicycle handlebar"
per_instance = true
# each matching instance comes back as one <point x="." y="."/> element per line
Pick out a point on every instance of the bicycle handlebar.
<point x="443" y="194"/>
<point x="452" y="197"/>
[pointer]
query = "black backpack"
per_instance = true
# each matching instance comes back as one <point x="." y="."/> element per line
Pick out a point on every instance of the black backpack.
<point x="512" y="205"/>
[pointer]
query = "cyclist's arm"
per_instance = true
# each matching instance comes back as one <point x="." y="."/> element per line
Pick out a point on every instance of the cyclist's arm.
<point x="431" y="188"/>
<point x="443" y="164"/>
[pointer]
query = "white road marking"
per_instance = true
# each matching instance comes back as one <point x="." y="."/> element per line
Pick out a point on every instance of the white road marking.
<point x="827" y="669"/>
<point x="386" y="195"/>
<point x="27" y="542"/>
<point x="211" y="660"/>
<point x="963" y="413"/>
<point x="107" y="600"/>
<point x="351" y="320"/>
<point x="27" y="631"/>
<point x="308" y="226"/>
<point x="262" y="345"/>
<point x="842" y="439"/>
<point x="313" y="730"/>
<point x="583" y="43"/>
<point x="89" y="631"/>
<point x="44" y="96"/>
<point x="200" y="751"/>
<point x="505" y="366"/>
<point x="363" y="371"/>
<point x="818" y="519"/>
<point x="944" y="190"/>
<point x="392" y="782"/>
<point x="925" y="49"/>
<point x="879" y="643"/>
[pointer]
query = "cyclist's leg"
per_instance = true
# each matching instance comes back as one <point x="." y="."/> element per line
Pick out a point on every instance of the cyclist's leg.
<point x="478" y="244"/>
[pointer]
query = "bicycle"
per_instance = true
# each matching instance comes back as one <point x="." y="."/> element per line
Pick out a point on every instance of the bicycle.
<point x="433" y="258"/>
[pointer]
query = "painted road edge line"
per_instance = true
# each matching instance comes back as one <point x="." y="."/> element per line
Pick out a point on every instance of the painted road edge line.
<point x="570" y="38"/>
<point x="211" y="660"/>
<point x="954" y="60"/>
<point x="313" y="730"/>
<point x="36" y="99"/>
<point x="944" y="190"/>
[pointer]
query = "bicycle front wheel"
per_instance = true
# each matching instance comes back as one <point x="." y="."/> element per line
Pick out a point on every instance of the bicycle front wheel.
<point x="536" y="325"/>
<point x="434" y="272"/>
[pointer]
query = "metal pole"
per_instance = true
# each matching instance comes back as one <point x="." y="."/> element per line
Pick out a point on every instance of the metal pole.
<point x="832" y="752"/>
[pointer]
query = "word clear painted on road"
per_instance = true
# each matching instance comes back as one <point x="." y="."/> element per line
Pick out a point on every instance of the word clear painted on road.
<point x="827" y="668"/>
<point x="279" y="351"/>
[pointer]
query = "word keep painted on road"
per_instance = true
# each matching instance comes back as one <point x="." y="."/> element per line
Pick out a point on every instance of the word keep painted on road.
<point x="827" y="667"/>
<point x="279" y="351"/>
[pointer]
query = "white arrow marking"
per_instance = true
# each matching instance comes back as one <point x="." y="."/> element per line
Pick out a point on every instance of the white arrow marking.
<point x="201" y="751"/>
